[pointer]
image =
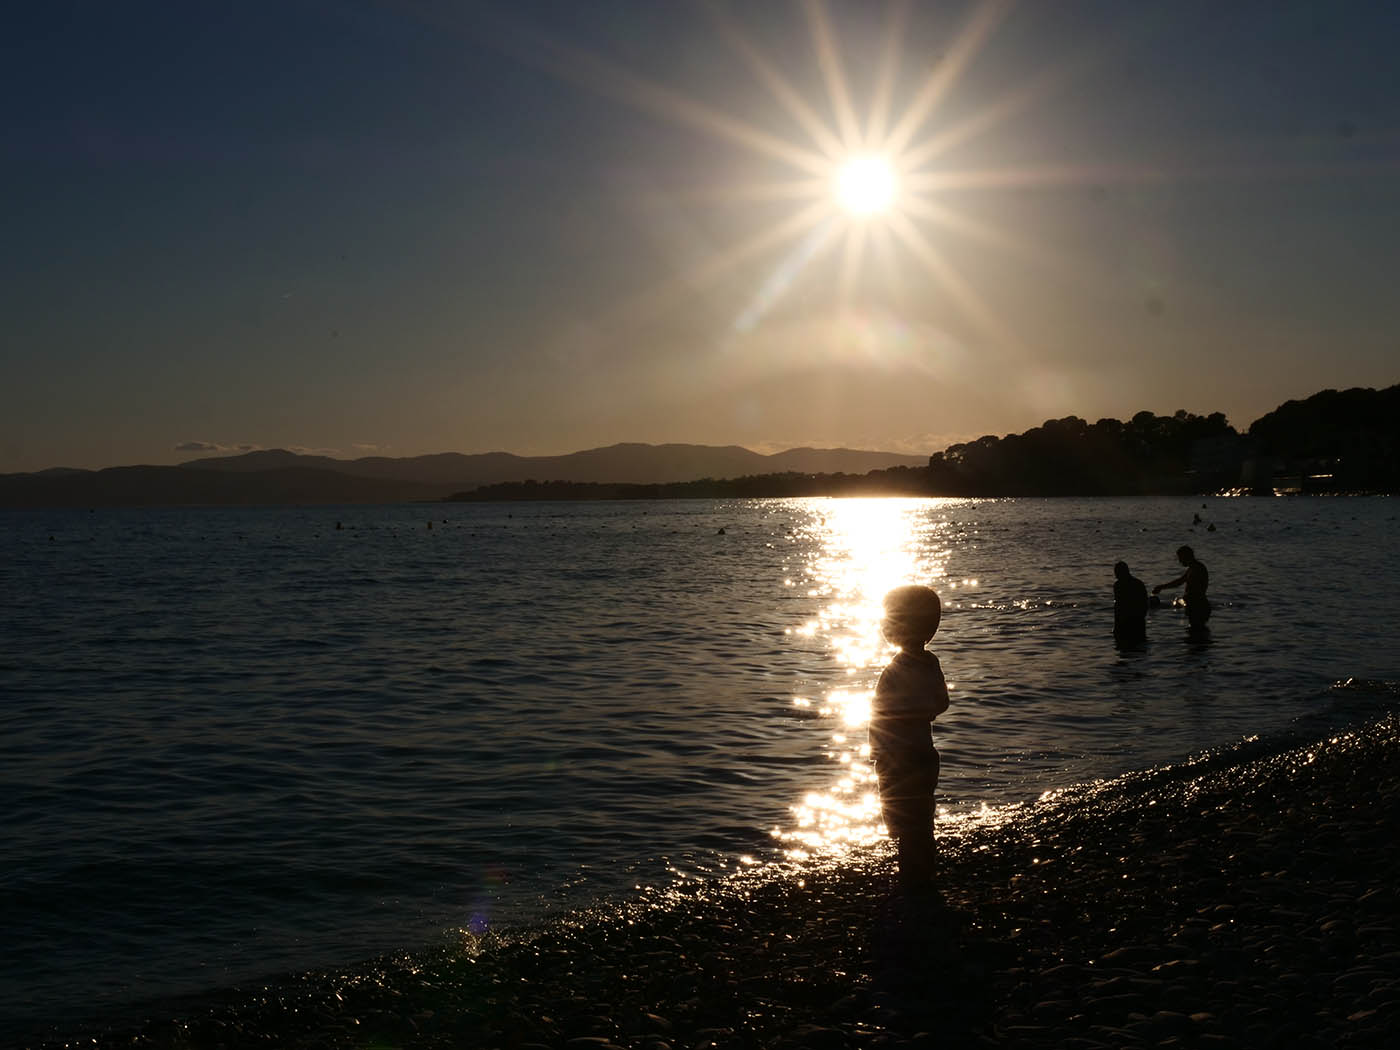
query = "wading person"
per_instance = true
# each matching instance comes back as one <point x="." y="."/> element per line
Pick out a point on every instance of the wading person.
<point x="910" y="694"/>
<point x="1197" y="580"/>
<point x="1129" y="606"/>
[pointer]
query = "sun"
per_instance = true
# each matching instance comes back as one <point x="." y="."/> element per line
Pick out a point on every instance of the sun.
<point x="866" y="186"/>
<point x="867" y="168"/>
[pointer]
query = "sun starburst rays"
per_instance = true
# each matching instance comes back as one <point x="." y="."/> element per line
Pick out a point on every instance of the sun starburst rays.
<point x="654" y="300"/>
<point x="833" y="73"/>
<point x="862" y="161"/>
<point x="780" y="87"/>
<point x="851" y="263"/>
<point x="871" y="164"/>
<point x="613" y="81"/>
<point x="965" y="226"/>
<point x="803" y="190"/>
<point x="882" y="93"/>
<point x="985" y="18"/>
<point x="966" y="298"/>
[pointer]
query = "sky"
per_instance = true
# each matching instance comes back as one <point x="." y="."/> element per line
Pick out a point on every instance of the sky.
<point x="379" y="227"/>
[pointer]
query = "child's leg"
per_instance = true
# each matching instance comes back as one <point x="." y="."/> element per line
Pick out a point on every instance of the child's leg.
<point x="917" y="852"/>
<point x="917" y="848"/>
<point x="906" y="802"/>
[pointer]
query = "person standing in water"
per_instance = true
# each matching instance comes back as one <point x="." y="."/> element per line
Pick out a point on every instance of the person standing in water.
<point x="1129" y="606"/>
<point x="910" y="694"/>
<point x="1197" y="580"/>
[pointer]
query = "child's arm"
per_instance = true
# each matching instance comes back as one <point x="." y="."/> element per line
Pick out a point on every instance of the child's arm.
<point x="940" y="694"/>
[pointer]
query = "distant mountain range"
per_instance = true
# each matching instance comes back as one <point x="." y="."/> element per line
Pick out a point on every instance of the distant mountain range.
<point x="280" y="477"/>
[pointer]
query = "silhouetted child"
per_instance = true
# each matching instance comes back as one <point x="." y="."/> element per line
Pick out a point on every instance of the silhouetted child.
<point x="910" y="694"/>
<point x="1129" y="606"/>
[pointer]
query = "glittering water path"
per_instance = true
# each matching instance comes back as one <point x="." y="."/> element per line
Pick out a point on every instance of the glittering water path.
<point x="235" y="742"/>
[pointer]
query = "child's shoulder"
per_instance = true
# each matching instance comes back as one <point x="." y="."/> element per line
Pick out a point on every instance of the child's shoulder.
<point x="921" y="659"/>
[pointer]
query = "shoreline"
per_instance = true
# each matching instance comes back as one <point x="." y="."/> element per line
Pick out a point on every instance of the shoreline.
<point x="1250" y="898"/>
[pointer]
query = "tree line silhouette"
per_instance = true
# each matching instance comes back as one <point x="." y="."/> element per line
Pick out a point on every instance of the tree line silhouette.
<point x="1061" y="457"/>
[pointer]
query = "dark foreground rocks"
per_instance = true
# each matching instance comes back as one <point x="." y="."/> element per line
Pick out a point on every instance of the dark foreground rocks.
<point x="1247" y="900"/>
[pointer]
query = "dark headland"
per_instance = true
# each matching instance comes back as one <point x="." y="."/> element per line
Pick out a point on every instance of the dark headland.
<point x="1248" y="899"/>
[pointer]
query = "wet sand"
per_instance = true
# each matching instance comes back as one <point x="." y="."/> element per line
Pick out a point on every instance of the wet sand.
<point x="1251" y="899"/>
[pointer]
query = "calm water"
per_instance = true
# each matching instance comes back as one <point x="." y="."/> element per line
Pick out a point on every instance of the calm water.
<point x="236" y="742"/>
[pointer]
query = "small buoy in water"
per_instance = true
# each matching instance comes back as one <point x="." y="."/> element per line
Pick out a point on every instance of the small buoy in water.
<point x="430" y="524"/>
<point x="721" y="531"/>
<point x="337" y="526"/>
<point x="1210" y="527"/>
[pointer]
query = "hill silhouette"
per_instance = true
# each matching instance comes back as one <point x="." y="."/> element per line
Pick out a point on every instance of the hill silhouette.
<point x="631" y="463"/>
<point x="277" y="476"/>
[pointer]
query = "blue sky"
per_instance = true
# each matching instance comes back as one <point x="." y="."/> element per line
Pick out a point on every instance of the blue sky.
<point x="546" y="226"/>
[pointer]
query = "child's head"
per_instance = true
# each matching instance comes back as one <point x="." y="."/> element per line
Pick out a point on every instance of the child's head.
<point x="911" y="615"/>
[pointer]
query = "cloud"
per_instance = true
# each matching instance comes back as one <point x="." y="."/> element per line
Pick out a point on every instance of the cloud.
<point x="212" y="446"/>
<point x="367" y="446"/>
<point x="924" y="444"/>
<point x="303" y="450"/>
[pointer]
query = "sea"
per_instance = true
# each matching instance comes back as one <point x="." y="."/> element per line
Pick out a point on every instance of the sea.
<point x="243" y="742"/>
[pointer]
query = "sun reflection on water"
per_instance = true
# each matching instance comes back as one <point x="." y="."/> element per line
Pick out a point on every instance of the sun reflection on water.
<point x="858" y="550"/>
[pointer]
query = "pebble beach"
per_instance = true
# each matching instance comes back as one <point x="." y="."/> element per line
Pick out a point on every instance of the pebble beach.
<point x="1243" y="899"/>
